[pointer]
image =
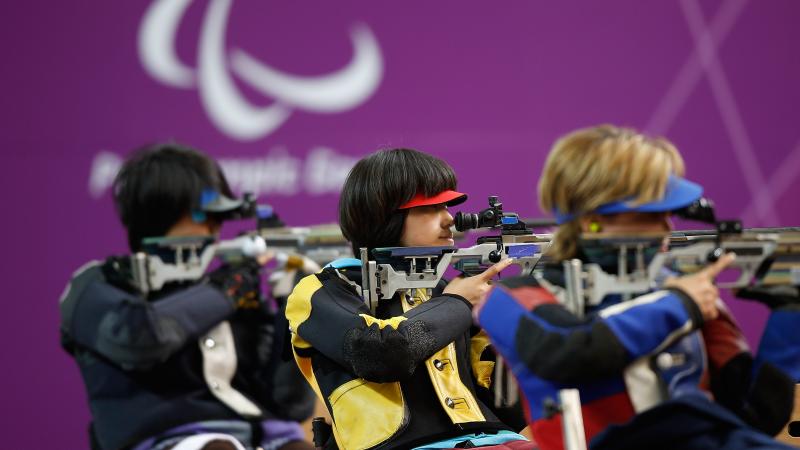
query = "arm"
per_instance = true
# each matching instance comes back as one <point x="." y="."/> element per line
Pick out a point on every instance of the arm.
<point x="130" y="331"/>
<point x="757" y="390"/>
<point x="326" y="313"/>
<point x="527" y="324"/>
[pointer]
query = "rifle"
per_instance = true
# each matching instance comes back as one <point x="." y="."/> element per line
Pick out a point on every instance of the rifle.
<point x="765" y="258"/>
<point x="770" y="256"/>
<point x="191" y="255"/>
<point x="186" y="258"/>
<point x="385" y="271"/>
<point x="293" y="248"/>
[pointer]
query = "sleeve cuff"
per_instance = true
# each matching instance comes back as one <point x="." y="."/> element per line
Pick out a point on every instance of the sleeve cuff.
<point x="691" y="307"/>
<point x="458" y="297"/>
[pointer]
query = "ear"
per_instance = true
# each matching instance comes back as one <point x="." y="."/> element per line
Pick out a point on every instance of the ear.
<point x="591" y="223"/>
<point x="214" y="226"/>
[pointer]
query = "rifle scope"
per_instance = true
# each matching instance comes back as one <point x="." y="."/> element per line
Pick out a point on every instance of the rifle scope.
<point x="491" y="217"/>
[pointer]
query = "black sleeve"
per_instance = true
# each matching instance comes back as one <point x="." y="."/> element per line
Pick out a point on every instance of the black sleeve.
<point x="763" y="399"/>
<point x="759" y="392"/>
<point x="130" y="331"/>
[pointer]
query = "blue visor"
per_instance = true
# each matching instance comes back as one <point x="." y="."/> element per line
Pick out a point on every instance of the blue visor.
<point x="679" y="193"/>
<point x="214" y="202"/>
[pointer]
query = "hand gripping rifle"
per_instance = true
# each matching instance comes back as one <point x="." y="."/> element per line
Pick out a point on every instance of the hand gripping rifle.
<point x="385" y="271"/>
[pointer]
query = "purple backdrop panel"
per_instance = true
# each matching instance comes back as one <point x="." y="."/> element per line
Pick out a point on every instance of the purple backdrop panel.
<point x="289" y="94"/>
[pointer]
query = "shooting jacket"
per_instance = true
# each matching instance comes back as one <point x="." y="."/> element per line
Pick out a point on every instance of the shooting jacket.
<point x="181" y="357"/>
<point x="414" y="372"/>
<point x="650" y="354"/>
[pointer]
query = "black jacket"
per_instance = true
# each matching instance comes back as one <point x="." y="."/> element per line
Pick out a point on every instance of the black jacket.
<point x="407" y="375"/>
<point x="142" y="360"/>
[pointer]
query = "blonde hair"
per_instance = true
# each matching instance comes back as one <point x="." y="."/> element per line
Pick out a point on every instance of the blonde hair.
<point x="594" y="166"/>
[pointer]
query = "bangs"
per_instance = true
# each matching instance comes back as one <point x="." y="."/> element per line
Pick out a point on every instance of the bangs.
<point x="647" y="167"/>
<point x="434" y="178"/>
<point x="423" y="174"/>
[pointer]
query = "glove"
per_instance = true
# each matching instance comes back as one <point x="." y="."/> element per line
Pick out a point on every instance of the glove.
<point x="773" y="296"/>
<point x="240" y="282"/>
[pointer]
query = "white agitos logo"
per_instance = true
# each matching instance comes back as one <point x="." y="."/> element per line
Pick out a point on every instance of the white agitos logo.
<point x="225" y="105"/>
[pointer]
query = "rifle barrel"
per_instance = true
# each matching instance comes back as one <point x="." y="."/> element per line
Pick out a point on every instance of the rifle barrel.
<point x="540" y="222"/>
<point x="686" y="233"/>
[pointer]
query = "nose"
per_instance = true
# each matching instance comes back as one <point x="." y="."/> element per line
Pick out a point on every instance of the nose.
<point x="447" y="218"/>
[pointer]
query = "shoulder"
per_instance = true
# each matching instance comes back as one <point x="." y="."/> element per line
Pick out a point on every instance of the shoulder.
<point x="91" y="270"/>
<point x="526" y="291"/>
<point x="306" y="287"/>
<point x="328" y="291"/>
<point x="327" y="282"/>
<point x="86" y="274"/>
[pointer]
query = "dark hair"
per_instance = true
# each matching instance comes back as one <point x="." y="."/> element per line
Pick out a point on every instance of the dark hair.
<point x="161" y="183"/>
<point x="378" y="185"/>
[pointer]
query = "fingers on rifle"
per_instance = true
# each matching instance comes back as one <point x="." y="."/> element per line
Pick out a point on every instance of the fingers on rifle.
<point x="489" y="273"/>
<point x="712" y="270"/>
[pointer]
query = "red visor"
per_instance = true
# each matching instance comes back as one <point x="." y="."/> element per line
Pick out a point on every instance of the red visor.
<point x="451" y="198"/>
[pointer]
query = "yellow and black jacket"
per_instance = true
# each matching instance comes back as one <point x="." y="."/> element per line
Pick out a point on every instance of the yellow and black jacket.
<point x="415" y="372"/>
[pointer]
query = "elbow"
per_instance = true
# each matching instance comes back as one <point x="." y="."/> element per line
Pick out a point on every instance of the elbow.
<point x="138" y="346"/>
<point x="383" y="355"/>
<point x="132" y="358"/>
<point x="570" y="357"/>
<point x="378" y="369"/>
<point x="771" y="401"/>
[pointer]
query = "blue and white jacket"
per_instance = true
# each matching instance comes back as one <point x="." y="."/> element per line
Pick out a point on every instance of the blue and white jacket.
<point x="628" y="357"/>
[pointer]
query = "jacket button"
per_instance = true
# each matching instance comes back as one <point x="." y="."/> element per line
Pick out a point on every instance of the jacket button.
<point x="449" y="402"/>
<point x="438" y="364"/>
<point x="666" y="361"/>
<point x="209" y="343"/>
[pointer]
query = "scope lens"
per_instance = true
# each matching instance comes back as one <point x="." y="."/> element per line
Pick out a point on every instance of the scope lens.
<point x="466" y="221"/>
